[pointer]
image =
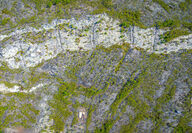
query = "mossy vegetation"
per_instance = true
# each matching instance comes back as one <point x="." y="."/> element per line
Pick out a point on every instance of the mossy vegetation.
<point x="89" y="117"/>
<point x="60" y="105"/>
<point x="130" y="18"/>
<point x="163" y="5"/>
<point x="141" y="81"/>
<point x="61" y="9"/>
<point x="125" y="47"/>
<point x="106" y="126"/>
<point x="147" y="83"/>
<point x="185" y="5"/>
<point x="186" y="118"/>
<point x="170" y="35"/>
<point x="5" y="21"/>
<point x="176" y="28"/>
<point x="187" y="25"/>
<point x="18" y="111"/>
<point x="107" y="3"/>
<point x="5" y="68"/>
<point x="138" y="92"/>
<point x="169" y="23"/>
<point x="8" y="84"/>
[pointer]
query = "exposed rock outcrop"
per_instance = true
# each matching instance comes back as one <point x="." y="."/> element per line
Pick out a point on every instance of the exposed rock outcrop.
<point x="29" y="46"/>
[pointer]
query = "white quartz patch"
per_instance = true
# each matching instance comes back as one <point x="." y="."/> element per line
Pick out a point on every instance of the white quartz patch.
<point x="5" y="89"/>
<point x="10" y="51"/>
<point x="36" y="87"/>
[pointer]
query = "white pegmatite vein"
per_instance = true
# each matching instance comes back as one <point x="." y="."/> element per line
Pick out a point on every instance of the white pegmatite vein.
<point x="83" y="34"/>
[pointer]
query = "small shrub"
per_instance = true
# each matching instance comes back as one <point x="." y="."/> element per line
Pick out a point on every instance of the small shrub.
<point x="5" y="21"/>
<point x="187" y="25"/>
<point x="185" y="5"/>
<point x="5" y="11"/>
<point x="170" y="35"/>
<point x="107" y="3"/>
<point x="169" y="23"/>
<point x="163" y="4"/>
<point x="129" y="18"/>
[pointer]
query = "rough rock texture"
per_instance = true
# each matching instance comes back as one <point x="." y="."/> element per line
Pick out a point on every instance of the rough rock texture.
<point x="125" y="79"/>
<point x="100" y="83"/>
<point x="29" y="47"/>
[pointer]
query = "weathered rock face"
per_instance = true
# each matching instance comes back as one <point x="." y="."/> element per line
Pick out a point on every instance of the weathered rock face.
<point x="29" y="47"/>
<point x="62" y="66"/>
